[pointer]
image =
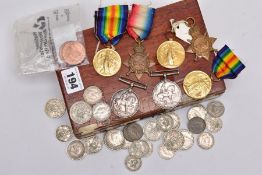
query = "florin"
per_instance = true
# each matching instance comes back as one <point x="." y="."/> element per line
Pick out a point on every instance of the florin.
<point x="215" y="109"/>
<point x="176" y="119"/>
<point x="101" y="111"/>
<point x="92" y="95"/>
<point x="64" y="133"/>
<point x="189" y="139"/>
<point x="55" y="108"/>
<point x="80" y="112"/>
<point x="133" y="163"/>
<point x="196" y="125"/>
<point x="93" y="144"/>
<point x="76" y="150"/>
<point x="165" y="122"/>
<point x="133" y="132"/>
<point x="214" y="125"/>
<point x="151" y="131"/>
<point x="114" y="139"/>
<point x="164" y="153"/>
<point x="197" y="111"/>
<point x="139" y="149"/>
<point x="206" y="140"/>
<point x="173" y="140"/>
<point x="72" y="52"/>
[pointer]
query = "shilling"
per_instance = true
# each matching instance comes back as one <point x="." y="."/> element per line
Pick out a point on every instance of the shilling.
<point x="176" y="119"/>
<point x="215" y="109"/>
<point x="165" y="122"/>
<point x="152" y="131"/>
<point x="101" y="111"/>
<point x="80" y="112"/>
<point x="196" y="125"/>
<point x="173" y="140"/>
<point x="55" y="108"/>
<point x="197" y="111"/>
<point x="114" y="139"/>
<point x="64" y="133"/>
<point x="214" y="125"/>
<point x="164" y="153"/>
<point x="206" y="140"/>
<point x="125" y="103"/>
<point x="133" y="163"/>
<point x="139" y="149"/>
<point x="92" y="95"/>
<point x="133" y="132"/>
<point x="167" y="94"/>
<point x="189" y="139"/>
<point x="93" y="144"/>
<point x="76" y="150"/>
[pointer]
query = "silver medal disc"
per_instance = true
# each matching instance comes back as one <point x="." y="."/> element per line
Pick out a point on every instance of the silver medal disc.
<point x="133" y="163"/>
<point x="93" y="144"/>
<point x="81" y="112"/>
<point x="76" y="150"/>
<point x="114" y="139"/>
<point x="101" y="111"/>
<point x="151" y="131"/>
<point x="197" y="111"/>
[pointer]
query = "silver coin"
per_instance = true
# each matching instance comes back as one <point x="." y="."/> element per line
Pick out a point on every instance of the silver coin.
<point x="64" y="133"/>
<point x="214" y="125"/>
<point x="151" y="131"/>
<point x="173" y="140"/>
<point x="76" y="150"/>
<point x="55" y="108"/>
<point x="176" y="119"/>
<point x="127" y="144"/>
<point x="92" y="95"/>
<point x="196" y="125"/>
<point x="124" y="103"/>
<point x="133" y="132"/>
<point x="164" y="153"/>
<point x="150" y="150"/>
<point x="133" y="163"/>
<point x="80" y="112"/>
<point x="167" y="94"/>
<point x="197" y="111"/>
<point x="206" y="140"/>
<point x="189" y="139"/>
<point x="139" y="149"/>
<point x="93" y="144"/>
<point x="101" y="111"/>
<point x="215" y="109"/>
<point x="114" y="139"/>
<point x="165" y="122"/>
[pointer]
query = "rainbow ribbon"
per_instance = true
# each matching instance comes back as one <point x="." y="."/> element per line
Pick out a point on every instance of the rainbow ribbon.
<point x="140" y="21"/>
<point x="110" y="23"/>
<point x="226" y="64"/>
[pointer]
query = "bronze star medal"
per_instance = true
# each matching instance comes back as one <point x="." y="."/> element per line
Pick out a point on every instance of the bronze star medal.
<point x="139" y="62"/>
<point x="201" y="44"/>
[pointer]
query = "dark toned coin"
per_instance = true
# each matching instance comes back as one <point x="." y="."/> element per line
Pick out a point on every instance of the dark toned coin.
<point x="133" y="132"/>
<point x="196" y="125"/>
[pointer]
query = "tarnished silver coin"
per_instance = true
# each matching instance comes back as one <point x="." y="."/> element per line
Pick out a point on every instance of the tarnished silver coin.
<point x="93" y="95"/>
<point x="173" y="140"/>
<point x="164" y="153"/>
<point x="133" y="132"/>
<point x="151" y="131"/>
<point x="101" y="111"/>
<point x="124" y="103"/>
<point x="206" y="140"/>
<point x="76" y="150"/>
<point x="176" y="119"/>
<point x="133" y="163"/>
<point x="81" y="112"/>
<point x="215" y="109"/>
<point x="165" y="122"/>
<point x="64" y="133"/>
<point x="55" y="108"/>
<point x="214" y="125"/>
<point x="114" y="139"/>
<point x="197" y="111"/>
<point x="167" y="94"/>
<point x="189" y="139"/>
<point x="196" y="125"/>
<point x="93" y="144"/>
<point x="139" y="149"/>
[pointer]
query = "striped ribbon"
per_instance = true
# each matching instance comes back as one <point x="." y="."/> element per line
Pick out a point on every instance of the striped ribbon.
<point x="226" y="64"/>
<point x="110" y="23"/>
<point x="140" y="21"/>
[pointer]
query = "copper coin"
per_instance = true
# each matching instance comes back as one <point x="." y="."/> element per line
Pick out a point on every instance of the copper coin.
<point x="72" y="52"/>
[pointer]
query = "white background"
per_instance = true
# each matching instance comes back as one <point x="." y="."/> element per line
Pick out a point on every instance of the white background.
<point x="28" y="143"/>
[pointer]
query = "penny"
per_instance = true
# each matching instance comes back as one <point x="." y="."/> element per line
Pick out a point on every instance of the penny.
<point x="80" y="112"/>
<point x="165" y="122"/>
<point x="215" y="109"/>
<point x="124" y="103"/>
<point x="93" y="144"/>
<point x="76" y="150"/>
<point x="214" y="125"/>
<point x="64" y="133"/>
<point x="197" y="111"/>
<point x="189" y="139"/>
<point x="101" y="111"/>
<point x="196" y="125"/>
<point x="197" y="84"/>
<point x="72" y="52"/>
<point x="133" y="132"/>
<point x="164" y="153"/>
<point x="114" y="139"/>
<point x="167" y="94"/>
<point x="206" y="140"/>
<point x="139" y="149"/>
<point x="55" y="108"/>
<point x="133" y="163"/>
<point x="170" y="54"/>
<point x="173" y="140"/>
<point x="107" y="62"/>
<point x="92" y="95"/>
<point x="152" y="131"/>
<point x="176" y="119"/>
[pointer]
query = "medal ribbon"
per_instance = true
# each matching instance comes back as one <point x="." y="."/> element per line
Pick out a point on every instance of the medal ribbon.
<point x="226" y="64"/>
<point x="110" y="23"/>
<point x="140" y="21"/>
